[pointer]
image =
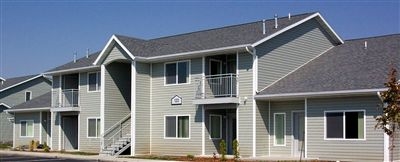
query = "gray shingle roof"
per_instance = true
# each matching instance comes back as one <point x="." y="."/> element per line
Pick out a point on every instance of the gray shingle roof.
<point x="81" y="62"/>
<point x="345" y="67"/>
<point x="42" y="101"/>
<point x="207" y="39"/>
<point x="13" y="81"/>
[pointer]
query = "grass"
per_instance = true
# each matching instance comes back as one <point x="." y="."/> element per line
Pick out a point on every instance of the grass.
<point x="5" y="145"/>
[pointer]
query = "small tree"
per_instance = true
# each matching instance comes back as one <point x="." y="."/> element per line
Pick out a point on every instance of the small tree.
<point x="222" y="150"/>
<point x="389" y="120"/>
<point x="236" y="149"/>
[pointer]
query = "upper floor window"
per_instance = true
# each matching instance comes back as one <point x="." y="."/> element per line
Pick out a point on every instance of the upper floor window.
<point x="177" y="72"/>
<point x="28" y="95"/>
<point x="345" y="125"/>
<point x="94" y="81"/>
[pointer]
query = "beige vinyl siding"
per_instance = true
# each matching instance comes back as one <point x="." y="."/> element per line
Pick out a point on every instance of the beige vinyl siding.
<point x="116" y="93"/>
<point x="289" y="50"/>
<point x="370" y="149"/>
<point x="89" y="103"/>
<point x="262" y="128"/>
<point x="16" y="95"/>
<point x="286" y="107"/>
<point x="161" y="106"/>
<point x="245" y="110"/>
<point x="36" y="128"/>
<point x="116" y="53"/>
<point x="142" y="144"/>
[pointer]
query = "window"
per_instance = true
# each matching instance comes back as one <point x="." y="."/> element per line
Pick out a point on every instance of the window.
<point x="177" y="126"/>
<point x="28" y="95"/>
<point x="94" y="127"/>
<point x="177" y="73"/>
<point x="94" y="81"/>
<point x="344" y="125"/>
<point x="27" y="128"/>
<point x="279" y="129"/>
<point x="215" y="126"/>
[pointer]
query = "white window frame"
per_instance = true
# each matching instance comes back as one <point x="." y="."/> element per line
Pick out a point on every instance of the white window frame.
<point x="98" y="74"/>
<point x="344" y="125"/>
<point x="176" y="68"/>
<point x="176" y="126"/>
<point x="87" y="127"/>
<point x="30" y="95"/>
<point x="220" y="126"/>
<point x="284" y="129"/>
<point x="20" y="128"/>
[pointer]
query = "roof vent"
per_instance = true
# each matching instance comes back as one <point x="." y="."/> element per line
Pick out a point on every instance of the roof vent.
<point x="365" y="44"/>
<point x="276" y="21"/>
<point x="289" y="16"/>
<point x="74" y="57"/>
<point x="264" y="30"/>
<point x="87" y="53"/>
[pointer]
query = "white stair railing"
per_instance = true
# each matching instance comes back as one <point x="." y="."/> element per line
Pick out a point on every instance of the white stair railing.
<point x="116" y="132"/>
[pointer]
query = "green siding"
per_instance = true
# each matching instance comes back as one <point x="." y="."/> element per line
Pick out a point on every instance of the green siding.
<point x="161" y="106"/>
<point x="116" y="53"/>
<point x="142" y="144"/>
<point x="36" y="128"/>
<point x="370" y="149"/>
<point x="288" y="51"/>
<point x="6" y="133"/>
<point x="262" y="128"/>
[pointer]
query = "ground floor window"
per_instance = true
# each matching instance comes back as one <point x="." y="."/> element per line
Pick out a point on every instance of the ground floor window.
<point x="279" y="129"/>
<point x="27" y="128"/>
<point x="215" y="126"/>
<point x="176" y="126"/>
<point x="344" y="125"/>
<point x="94" y="127"/>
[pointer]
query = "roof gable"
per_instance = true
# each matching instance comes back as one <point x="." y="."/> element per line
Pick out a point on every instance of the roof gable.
<point x="107" y="49"/>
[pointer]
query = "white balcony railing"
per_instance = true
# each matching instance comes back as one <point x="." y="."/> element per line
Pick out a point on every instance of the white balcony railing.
<point x="215" y="86"/>
<point x="65" y="98"/>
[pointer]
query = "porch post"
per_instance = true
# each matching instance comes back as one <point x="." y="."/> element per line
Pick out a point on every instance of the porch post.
<point x="305" y="127"/>
<point x="203" y="125"/>
<point x="133" y="107"/>
<point x="102" y="102"/>
<point x="40" y="127"/>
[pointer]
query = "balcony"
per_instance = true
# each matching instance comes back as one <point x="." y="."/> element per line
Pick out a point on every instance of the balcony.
<point x="216" y="89"/>
<point x="65" y="100"/>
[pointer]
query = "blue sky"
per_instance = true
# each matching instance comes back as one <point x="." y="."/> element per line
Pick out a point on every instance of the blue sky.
<point x="39" y="35"/>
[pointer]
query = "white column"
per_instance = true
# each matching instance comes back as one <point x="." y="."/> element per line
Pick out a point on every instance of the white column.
<point x="203" y="129"/>
<point x="305" y="128"/>
<point x="40" y="127"/>
<point x="386" y="151"/>
<point x="133" y="107"/>
<point x="102" y="101"/>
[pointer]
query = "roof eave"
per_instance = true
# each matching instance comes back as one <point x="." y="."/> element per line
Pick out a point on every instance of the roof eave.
<point x="318" y="94"/>
<point x="28" y="109"/>
<point x="33" y="78"/>
<point x="86" y="68"/>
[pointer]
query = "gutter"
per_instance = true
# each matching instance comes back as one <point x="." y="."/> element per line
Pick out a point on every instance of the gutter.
<point x="319" y="94"/>
<point x="71" y="70"/>
<point x="27" y="110"/>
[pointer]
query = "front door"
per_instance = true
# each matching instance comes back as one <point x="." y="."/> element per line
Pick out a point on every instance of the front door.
<point x="231" y="131"/>
<point x="70" y="129"/>
<point x="298" y="134"/>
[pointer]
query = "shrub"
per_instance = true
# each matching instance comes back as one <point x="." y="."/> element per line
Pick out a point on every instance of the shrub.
<point x="236" y="149"/>
<point x="222" y="150"/>
<point x="190" y="157"/>
<point x="32" y="145"/>
<point x="45" y="147"/>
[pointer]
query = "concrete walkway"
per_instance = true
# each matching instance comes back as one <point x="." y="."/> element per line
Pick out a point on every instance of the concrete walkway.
<point x="70" y="156"/>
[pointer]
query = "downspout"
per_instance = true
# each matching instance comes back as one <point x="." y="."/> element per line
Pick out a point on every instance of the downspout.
<point x="254" y="92"/>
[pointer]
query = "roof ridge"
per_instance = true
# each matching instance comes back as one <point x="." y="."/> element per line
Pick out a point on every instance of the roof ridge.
<point x="230" y="26"/>
<point x="130" y="37"/>
<point x="371" y="37"/>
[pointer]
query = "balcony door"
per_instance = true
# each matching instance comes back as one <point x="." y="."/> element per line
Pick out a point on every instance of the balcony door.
<point x="215" y="67"/>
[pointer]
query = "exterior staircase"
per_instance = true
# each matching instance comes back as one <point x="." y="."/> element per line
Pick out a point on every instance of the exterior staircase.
<point x="117" y="138"/>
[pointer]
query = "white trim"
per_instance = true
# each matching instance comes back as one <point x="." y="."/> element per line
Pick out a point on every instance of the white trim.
<point x="320" y="94"/>
<point x="40" y="127"/>
<point x="87" y="127"/>
<point x="176" y="126"/>
<point x="220" y="126"/>
<point x="2" y="79"/>
<point x="26" y="127"/>
<point x="386" y="150"/>
<point x="5" y="105"/>
<point x="177" y="74"/>
<point x="284" y="129"/>
<point x="203" y="129"/>
<point x="73" y="70"/>
<point x="254" y="93"/>
<point x="79" y="131"/>
<point x="48" y="128"/>
<point x="108" y="45"/>
<point x="151" y="108"/>
<point x="284" y="76"/>
<point x="59" y="131"/>
<point x="102" y="98"/>
<point x="269" y="128"/>
<point x="51" y="130"/>
<point x="305" y="127"/>
<point x="237" y="75"/>
<point x="98" y="89"/>
<point x="344" y="125"/>
<point x="30" y="95"/>
<point x="297" y="24"/>
<point x="14" y="132"/>
<point x="133" y="107"/>
<point x="204" y="52"/>
<point x="38" y="76"/>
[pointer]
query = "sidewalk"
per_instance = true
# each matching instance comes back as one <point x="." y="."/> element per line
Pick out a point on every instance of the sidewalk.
<point x="80" y="157"/>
